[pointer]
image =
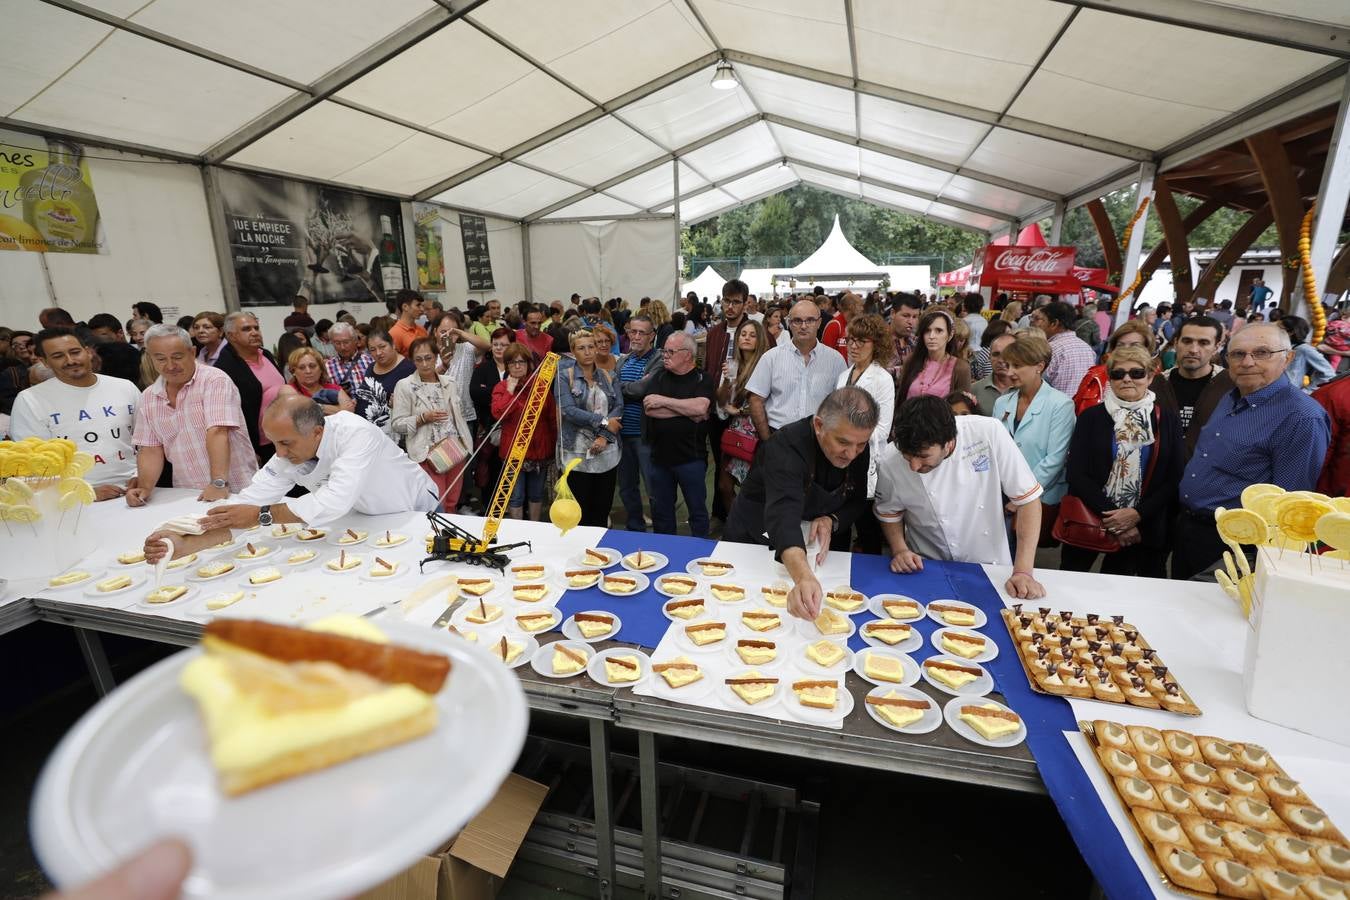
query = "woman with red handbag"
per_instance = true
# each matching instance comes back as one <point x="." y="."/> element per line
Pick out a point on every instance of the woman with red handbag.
<point x="870" y="349"/>
<point x="738" y="439"/>
<point x="1125" y="462"/>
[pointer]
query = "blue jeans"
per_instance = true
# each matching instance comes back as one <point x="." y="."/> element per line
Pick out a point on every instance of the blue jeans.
<point x="635" y="467"/>
<point x="692" y="480"/>
<point x="531" y="482"/>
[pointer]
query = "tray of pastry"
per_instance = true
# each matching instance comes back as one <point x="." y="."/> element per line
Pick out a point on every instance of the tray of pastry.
<point x="1093" y="657"/>
<point x="1218" y="817"/>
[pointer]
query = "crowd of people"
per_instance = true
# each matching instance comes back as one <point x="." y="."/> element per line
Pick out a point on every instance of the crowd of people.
<point x="919" y="426"/>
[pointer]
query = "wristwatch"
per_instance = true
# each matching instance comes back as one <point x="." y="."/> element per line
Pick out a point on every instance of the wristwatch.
<point x="219" y="483"/>
<point x="264" y="516"/>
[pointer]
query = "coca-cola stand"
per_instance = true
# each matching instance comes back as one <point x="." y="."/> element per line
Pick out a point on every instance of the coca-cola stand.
<point x="1024" y="270"/>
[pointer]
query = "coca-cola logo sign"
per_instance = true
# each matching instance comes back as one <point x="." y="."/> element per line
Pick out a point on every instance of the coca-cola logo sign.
<point x="1042" y="261"/>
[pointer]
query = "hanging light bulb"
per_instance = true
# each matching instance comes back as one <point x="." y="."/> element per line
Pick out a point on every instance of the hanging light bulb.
<point x="724" y="79"/>
<point x="783" y="166"/>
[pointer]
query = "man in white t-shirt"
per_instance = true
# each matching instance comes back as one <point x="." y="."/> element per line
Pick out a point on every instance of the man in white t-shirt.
<point x="941" y="489"/>
<point x="95" y="411"/>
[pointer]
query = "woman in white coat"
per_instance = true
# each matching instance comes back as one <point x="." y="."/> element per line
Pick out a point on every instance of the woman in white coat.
<point x="426" y="409"/>
<point x="870" y="349"/>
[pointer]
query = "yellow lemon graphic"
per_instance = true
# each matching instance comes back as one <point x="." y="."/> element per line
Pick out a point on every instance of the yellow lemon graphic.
<point x="16" y="234"/>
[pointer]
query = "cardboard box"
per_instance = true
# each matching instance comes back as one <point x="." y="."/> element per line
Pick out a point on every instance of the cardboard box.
<point x="473" y="864"/>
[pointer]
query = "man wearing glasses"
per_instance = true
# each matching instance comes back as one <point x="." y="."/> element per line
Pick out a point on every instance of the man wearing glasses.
<point x="1265" y="430"/>
<point x="676" y="401"/>
<point x="635" y="462"/>
<point x="791" y="381"/>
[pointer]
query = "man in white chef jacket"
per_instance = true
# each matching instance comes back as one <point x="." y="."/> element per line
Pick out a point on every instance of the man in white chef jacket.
<point x="346" y="463"/>
<point x="940" y="492"/>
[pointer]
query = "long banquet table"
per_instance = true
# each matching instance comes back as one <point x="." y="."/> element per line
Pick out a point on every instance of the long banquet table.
<point x="1194" y="626"/>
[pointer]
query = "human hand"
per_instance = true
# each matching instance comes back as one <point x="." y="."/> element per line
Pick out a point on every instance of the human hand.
<point x="435" y="415"/>
<point x="138" y="496"/>
<point x="822" y="530"/>
<point x="1024" y="587"/>
<point x="653" y="401"/>
<point x="1129" y="537"/>
<point x="511" y="382"/>
<point x="906" y="562"/>
<point x="156" y="873"/>
<point x="155" y="548"/>
<point x="231" y="515"/>
<point x="614" y="425"/>
<point x="803" y="601"/>
<point x="211" y="493"/>
<point x="108" y="492"/>
<point x="598" y="445"/>
<point x="1120" y="520"/>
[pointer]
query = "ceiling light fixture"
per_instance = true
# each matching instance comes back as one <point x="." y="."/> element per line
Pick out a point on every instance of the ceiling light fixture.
<point x="783" y="166"/>
<point x="724" y="79"/>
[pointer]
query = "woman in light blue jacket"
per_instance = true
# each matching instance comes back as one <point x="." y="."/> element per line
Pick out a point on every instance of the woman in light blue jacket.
<point x="1305" y="360"/>
<point x="1039" y="418"/>
<point x="591" y="408"/>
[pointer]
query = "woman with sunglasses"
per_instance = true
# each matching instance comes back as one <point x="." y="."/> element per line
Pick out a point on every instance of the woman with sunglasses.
<point x="1125" y="462"/>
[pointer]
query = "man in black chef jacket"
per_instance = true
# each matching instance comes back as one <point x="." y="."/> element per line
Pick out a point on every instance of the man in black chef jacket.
<point x="813" y="470"/>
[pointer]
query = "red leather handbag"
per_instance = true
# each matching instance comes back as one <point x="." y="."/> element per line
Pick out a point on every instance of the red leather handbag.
<point x="1079" y="526"/>
<point x="738" y="445"/>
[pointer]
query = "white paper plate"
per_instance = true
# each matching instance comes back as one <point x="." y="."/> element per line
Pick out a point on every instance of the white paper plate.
<point x="936" y="614"/>
<point x="807" y="629"/>
<point x="813" y="668"/>
<point x="687" y="646"/>
<point x="570" y="629"/>
<point x="284" y="532"/>
<point x="543" y="658"/>
<point x="659" y="562"/>
<point x="734" y="659"/>
<point x="284" y="560"/>
<point x="91" y="590"/>
<point x="952" y="713"/>
<point x="908" y="645"/>
<point x="932" y="717"/>
<point x="135" y="768"/>
<point x="877" y="608"/>
<point x="792" y="703"/>
<point x="734" y="614"/>
<point x="403" y="570"/>
<point x="693" y="568"/>
<point x="487" y="639"/>
<point x="335" y="536"/>
<point x="182" y="562"/>
<point x="96" y="574"/>
<point x="232" y="573"/>
<point x="185" y="600"/>
<point x="343" y="573"/>
<point x="596" y="668"/>
<point x="400" y="540"/>
<point x="909" y="667"/>
<point x="989" y="652"/>
<point x="643" y="582"/>
<point x="710" y="608"/>
<point x="825" y="603"/>
<point x="266" y="553"/>
<point x="199" y="612"/>
<point x="306" y="540"/>
<point x="733" y="700"/>
<point x="700" y="587"/>
<point x="687" y="693"/>
<point x="977" y="688"/>
<point x="578" y="561"/>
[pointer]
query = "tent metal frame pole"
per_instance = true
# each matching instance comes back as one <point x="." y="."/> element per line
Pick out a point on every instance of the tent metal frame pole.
<point x="526" y="260"/>
<point x="891" y="186"/>
<point x="952" y="223"/>
<point x="1148" y="172"/>
<point x="1057" y="224"/>
<point x="220" y="237"/>
<point x="675" y="185"/>
<point x="1332" y="197"/>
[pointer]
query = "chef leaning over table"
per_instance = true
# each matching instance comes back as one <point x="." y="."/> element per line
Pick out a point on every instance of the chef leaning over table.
<point x="346" y="463"/>
<point x="940" y="490"/>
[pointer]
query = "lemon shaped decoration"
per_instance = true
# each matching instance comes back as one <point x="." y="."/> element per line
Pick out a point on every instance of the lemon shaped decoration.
<point x="1333" y="529"/>
<point x="1241" y="526"/>
<point x="565" y="511"/>
<point x="20" y="512"/>
<point x="1264" y="506"/>
<point x="1341" y="504"/>
<point x="1297" y="517"/>
<point x="80" y="463"/>
<point x="1252" y="491"/>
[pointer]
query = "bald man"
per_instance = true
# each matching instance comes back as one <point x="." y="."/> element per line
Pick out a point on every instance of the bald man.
<point x="792" y="380"/>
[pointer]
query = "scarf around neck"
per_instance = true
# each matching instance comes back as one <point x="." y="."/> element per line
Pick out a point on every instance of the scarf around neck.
<point x="1133" y="425"/>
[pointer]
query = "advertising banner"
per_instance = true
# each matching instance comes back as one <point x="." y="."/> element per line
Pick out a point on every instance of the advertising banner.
<point x="477" y="261"/>
<point x="47" y="202"/>
<point x="1045" y="269"/>
<point x="290" y="238"/>
<point x="430" y="251"/>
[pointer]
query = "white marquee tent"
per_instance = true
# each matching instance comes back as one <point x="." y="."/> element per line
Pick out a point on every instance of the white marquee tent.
<point x="979" y="113"/>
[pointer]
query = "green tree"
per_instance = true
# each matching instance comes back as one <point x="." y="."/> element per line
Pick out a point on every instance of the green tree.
<point x="770" y="233"/>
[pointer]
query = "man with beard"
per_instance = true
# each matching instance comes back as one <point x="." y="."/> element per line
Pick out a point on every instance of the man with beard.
<point x="1195" y="385"/>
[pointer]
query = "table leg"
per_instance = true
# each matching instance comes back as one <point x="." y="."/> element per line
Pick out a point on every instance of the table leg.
<point x="604" y="808"/>
<point x="651" y="816"/>
<point x="91" y="647"/>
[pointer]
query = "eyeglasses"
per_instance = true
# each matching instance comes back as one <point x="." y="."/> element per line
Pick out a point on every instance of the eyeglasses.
<point x="665" y="351"/>
<point x="519" y="362"/>
<point x="1132" y="374"/>
<point x="732" y="301"/>
<point x="1262" y="355"/>
<point x="636" y="332"/>
<point x="857" y="340"/>
<point x="802" y="323"/>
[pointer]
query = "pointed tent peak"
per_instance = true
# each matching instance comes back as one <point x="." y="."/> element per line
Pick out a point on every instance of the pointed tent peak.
<point x="1031" y="236"/>
<point x="836" y="254"/>
<point x="708" y="283"/>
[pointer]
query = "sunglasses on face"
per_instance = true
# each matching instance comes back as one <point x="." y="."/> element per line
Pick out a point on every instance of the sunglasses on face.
<point x="1133" y="374"/>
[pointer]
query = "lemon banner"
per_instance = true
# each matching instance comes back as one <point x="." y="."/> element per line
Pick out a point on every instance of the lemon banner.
<point x="47" y="201"/>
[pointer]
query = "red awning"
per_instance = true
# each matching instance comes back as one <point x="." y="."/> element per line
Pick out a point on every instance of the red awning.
<point x="1042" y="269"/>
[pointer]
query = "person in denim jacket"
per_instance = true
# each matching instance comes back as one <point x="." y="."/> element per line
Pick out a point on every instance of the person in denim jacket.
<point x="591" y="411"/>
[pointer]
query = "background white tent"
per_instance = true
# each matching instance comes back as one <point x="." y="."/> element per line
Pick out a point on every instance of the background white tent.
<point x="978" y="113"/>
<point x="708" y="284"/>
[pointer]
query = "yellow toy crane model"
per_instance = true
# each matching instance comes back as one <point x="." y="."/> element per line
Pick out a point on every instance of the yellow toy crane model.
<point x="452" y="543"/>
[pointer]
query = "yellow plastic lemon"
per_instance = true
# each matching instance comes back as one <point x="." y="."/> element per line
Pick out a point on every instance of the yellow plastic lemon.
<point x="1252" y="491"/>
<point x="565" y="511"/>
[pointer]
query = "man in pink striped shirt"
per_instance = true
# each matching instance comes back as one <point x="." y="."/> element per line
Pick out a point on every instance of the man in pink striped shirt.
<point x="191" y="417"/>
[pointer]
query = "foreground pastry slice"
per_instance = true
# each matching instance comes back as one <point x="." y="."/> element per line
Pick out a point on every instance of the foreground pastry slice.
<point x="352" y="536"/>
<point x="528" y="572"/>
<point x="623" y="668"/>
<point x="507" y="650"/>
<point x="1184" y="868"/>
<point x="251" y="551"/>
<point x="182" y="561"/>
<point x="169" y="593"/>
<point x="390" y="539"/>
<point x="217" y="568"/>
<point x="706" y="632"/>
<point x="265" y="576"/>
<point x="301" y="556"/>
<point x="752" y="687"/>
<point x="883" y="668"/>
<point x="831" y="622"/>
<point x="714" y="567"/>
<point x="989" y="721"/>
<point x="640" y="560"/>
<point x="537" y="621"/>
<point x="383" y="568"/>
<point x="620" y="584"/>
<point x="594" y="625"/>
<point x="825" y="653"/>
<point x="530" y="593"/>
<point x="774" y="596"/>
<point x="901" y="609"/>
<point x="135" y="556"/>
<point x="221" y="601"/>
<point x="817" y="694"/>
<point x="757" y="620"/>
<point x="476" y="586"/>
<point x="963" y="644"/>
<point x="344" y="563"/>
<point x="115" y="583"/>
<point x="69" y="578"/>
<point x="756" y="653"/>
<point x="686" y="609"/>
<point x="580" y="578"/>
<point x="568" y="660"/>
<point x="953" y="614"/>
<point x="845" y="600"/>
<point x="280" y="701"/>
<point x="596" y="557"/>
<point x="310" y="534"/>
<point x="678" y="584"/>
<point x="899" y="711"/>
<point x="679" y="671"/>
<point x="951" y="674"/>
<point x="482" y="613"/>
<point x="287" y="530"/>
<point x="728" y="593"/>
<point x="888" y="632"/>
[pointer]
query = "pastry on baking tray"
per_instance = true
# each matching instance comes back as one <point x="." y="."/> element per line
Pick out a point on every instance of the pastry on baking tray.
<point x="1308" y="820"/>
<point x="1161" y="827"/>
<point x="1184" y="868"/>
<point x="1277" y="884"/>
<point x="1248" y="845"/>
<point x="1233" y="878"/>
<point x="1205" y="836"/>
<point x="1137" y="793"/>
<point x="1293" y="854"/>
<point x="1181" y="746"/>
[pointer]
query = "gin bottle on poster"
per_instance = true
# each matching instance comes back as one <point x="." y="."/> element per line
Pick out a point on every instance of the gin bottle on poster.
<point x="391" y="261"/>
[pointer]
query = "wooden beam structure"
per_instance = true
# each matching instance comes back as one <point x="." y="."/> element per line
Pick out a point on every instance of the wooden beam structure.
<point x="1106" y="233"/>
<point x="1174" y="239"/>
<point x="1280" y="179"/>
<point x="1218" y="268"/>
<point x="1338" y="281"/>
<point x="1190" y="223"/>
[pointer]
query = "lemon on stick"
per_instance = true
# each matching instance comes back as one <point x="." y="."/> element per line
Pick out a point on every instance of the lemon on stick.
<point x="1252" y="491"/>
<point x="565" y="511"/>
<point x="1241" y="526"/>
<point x="1297" y="517"/>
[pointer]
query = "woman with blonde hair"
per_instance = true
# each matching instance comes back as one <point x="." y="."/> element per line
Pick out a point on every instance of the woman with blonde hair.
<point x="309" y="376"/>
<point x="591" y="408"/>
<point x="961" y="340"/>
<point x="1012" y="312"/>
<point x="605" y="340"/>
<point x="660" y="316"/>
<point x="733" y="404"/>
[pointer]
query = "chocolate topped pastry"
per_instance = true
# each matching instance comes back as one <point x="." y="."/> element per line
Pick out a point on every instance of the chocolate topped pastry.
<point x="1160" y="671"/>
<point x="1173" y="688"/>
<point x="1092" y="618"/>
<point x="1098" y="660"/>
<point x="1131" y="636"/>
<point x="1117" y="649"/>
<point x="1066" y="614"/>
<point x="1149" y="653"/>
<point x="1104" y="676"/>
<point x="1132" y="667"/>
<point x="1076" y="630"/>
<point x="1045" y="610"/>
<point x="1137" y="683"/>
<point x="1118" y="619"/>
<point x="1024" y="621"/>
<point x="1017" y="609"/>
<point x="1078" y="671"/>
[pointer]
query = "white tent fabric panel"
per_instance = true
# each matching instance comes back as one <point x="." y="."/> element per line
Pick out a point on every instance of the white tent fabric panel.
<point x="700" y="207"/>
<point x="509" y="190"/>
<point x="655" y="188"/>
<point x="27" y="65"/>
<point x="609" y="259"/>
<point x="813" y="34"/>
<point x="1336" y="11"/>
<point x="682" y="112"/>
<point x="760" y="182"/>
<point x="812" y="148"/>
<point x="921" y="131"/>
<point x="967" y="51"/>
<point x="336" y="143"/>
<point x="159" y="248"/>
<point x="894" y="198"/>
<point x="508" y="268"/>
<point x="136" y="90"/>
<point x="835" y="256"/>
<point x="903" y="173"/>
<point x="807" y="101"/>
<point x="596" y="206"/>
<point x="1041" y="163"/>
<point x="603" y="47"/>
<point x="564" y="259"/>
<point x="497" y="99"/>
<point x="734" y="153"/>
<point x="974" y="220"/>
<point x="708" y="283"/>
<point x="1174" y="85"/>
<point x="594" y="152"/>
<point x="828" y="180"/>
<point x="989" y="197"/>
<point x="263" y="32"/>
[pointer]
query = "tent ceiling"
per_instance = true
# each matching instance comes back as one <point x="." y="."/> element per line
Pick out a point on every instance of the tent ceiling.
<point x="975" y="112"/>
